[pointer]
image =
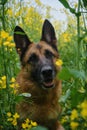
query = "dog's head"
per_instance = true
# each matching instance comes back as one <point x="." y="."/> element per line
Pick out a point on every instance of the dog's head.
<point x="38" y="60"/>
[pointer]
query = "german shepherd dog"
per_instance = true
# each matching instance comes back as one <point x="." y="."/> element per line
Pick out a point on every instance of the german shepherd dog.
<point x="38" y="76"/>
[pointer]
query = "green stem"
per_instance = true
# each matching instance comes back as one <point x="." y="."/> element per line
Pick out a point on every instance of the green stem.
<point x="3" y="23"/>
<point x="83" y="14"/>
<point x="3" y="16"/>
<point x="5" y="101"/>
<point x="78" y="36"/>
<point x="86" y="69"/>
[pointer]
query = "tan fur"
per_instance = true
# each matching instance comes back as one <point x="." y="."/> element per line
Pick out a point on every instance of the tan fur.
<point x="42" y="106"/>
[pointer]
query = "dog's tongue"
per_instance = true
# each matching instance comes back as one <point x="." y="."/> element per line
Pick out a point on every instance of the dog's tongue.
<point x="48" y="84"/>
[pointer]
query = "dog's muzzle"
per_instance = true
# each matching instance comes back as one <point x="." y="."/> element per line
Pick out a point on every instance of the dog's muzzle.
<point x="47" y="75"/>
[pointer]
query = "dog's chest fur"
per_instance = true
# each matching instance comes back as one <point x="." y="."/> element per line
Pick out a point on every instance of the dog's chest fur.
<point x="42" y="105"/>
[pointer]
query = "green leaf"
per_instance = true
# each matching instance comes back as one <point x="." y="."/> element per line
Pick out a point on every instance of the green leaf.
<point x="20" y="33"/>
<point x="85" y="3"/>
<point x="38" y="128"/>
<point x="18" y="98"/>
<point x="3" y="2"/>
<point x="67" y="73"/>
<point x="64" y="74"/>
<point x="66" y="5"/>
<point x="66" y="96"/>
<point x="25" y="94"/>
<point x="21" y="96"/>
<point x="76" y="97"/>
<point x="77" y="74"/>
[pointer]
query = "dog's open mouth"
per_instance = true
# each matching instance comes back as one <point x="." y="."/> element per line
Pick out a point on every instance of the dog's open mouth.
<point x="48" y="84"/>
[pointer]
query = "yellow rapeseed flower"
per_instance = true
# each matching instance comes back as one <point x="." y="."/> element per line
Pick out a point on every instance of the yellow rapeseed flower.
<point x="10" y="49"/>
<point x="16" y="115"/>
<point x="0" y="82"/>
<point x="84" y="113"/>
<point x="11" y="45"/>
<point x="64" y="119"/>
<point x="25" y="125"/>
<point x="3" y="82"/>
<point x="9" y="114"/>
<point x="10" y="38"/>
<point x="17" y="85"/>
<point x="14" y="122"/>
<point x="4" y="34"/>
<point x="85" y="39"/>
<point x="27" y="120"/>
<point x="84" y="105"/>
<point x="38" y="2"/>
<point x="74" y="114"/>
<point x="3" y="78"/>
<point x="13" y="118"/>
<point x="4" y="86"/>
<point x="74" y="125"/>
<point x="12" y="80"/>
<point x="10" y="119"/>
<point x="28" y="124"/>
<point x="66" y="37"/>
<point x="6" y="43"/>
<point x="75" y="5"/>
<point x="12" y="85"/>
<point x="10" y="12"/>
<point x="59" y="62"/>
<point x="33" y="123"/>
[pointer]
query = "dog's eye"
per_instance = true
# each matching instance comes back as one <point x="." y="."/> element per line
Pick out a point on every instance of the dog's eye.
<point x="48" y="54"/>
<point x="33" y="59"/>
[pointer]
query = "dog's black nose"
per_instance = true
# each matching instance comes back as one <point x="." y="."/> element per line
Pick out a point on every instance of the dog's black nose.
<point x="46" y="71"/>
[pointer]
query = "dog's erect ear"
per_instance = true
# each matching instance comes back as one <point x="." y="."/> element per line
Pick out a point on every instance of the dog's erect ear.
<point x="48" y="34"/>
<point x="21" y="40"/>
